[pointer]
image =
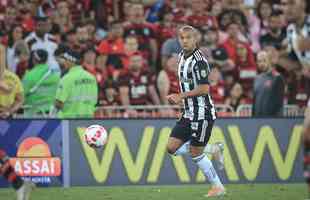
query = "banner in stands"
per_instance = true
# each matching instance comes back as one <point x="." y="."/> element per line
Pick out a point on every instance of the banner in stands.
<point x="256" y="150"/>
<point x="35" y="148"/>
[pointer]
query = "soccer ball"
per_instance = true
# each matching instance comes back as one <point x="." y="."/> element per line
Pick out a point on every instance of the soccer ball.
<point x="96" y="136"/>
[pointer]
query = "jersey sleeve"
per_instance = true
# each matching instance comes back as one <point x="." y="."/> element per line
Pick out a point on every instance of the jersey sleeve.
<point x="201" y="72"/>
<point x="62" y="92"/>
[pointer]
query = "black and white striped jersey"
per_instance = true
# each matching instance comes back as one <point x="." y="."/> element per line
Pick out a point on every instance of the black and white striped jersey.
<point x="193" y="71"/>
<point x="293" y="33"/>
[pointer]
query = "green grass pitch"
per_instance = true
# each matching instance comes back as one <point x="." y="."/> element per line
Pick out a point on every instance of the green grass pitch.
<point x="184" y="192"/>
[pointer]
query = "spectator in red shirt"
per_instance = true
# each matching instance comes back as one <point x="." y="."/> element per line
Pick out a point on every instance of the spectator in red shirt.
<point x="76" y="9"/>
<point x="232" y="16"/>
<point x="28" y="22"/>
<point x="299" y="87"/>
<point x="122" y="63"/>
<point x="111" y="96"/>
<point x="246" y="67"/>
<point x="211" y="47"/>
<point x="118" y="59"/>
<point x="217" y="89"/>
<point x="231" y="44"/>
<point x="179" y="9"/>
<point x="114" y="42"/>
<point x="200" y="16"/>
<point x="137" y="86"/>
<point x="63" y="16"/>
<point x="167" y="81"/>
<point x="167" y="28"/>
<point x="145" y="32"/>
<point x="89" y="63"/>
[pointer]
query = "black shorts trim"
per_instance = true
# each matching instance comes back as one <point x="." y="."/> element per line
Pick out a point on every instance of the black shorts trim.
<point x="197" y="132"/>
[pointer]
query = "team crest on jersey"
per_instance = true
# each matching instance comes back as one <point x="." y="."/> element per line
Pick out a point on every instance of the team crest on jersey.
<point x="194" y="125"/>
<point x="203" y="73"/>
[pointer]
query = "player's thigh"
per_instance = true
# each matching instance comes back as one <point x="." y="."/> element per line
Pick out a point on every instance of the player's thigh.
<point x="196" y="150"/>
<point x="200" y="135"/>
<point x="179" y="135"/>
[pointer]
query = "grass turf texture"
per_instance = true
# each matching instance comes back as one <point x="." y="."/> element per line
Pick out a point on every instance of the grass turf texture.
<point x="185" y="192"/>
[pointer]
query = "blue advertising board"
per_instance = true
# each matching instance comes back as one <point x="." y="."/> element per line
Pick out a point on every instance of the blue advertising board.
<point x="35" y="148"/>
<point x="256" y="151"/>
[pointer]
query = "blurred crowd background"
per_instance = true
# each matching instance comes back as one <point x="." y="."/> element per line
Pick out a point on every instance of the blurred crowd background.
<point x="131" y="48"/>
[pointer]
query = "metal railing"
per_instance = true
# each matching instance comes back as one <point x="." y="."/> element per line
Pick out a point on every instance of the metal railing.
<point x="167" y="111"/>
<point x="288" y="111"/>
<point x="152" y="111"/>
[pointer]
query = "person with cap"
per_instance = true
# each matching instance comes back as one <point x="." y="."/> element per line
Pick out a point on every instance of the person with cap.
<point x="77" y="92"/>
<point x="42" y="39"/>
<point x="40" y="85"/>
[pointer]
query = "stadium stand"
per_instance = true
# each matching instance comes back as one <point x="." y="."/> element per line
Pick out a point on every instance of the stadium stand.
<point x="107" y="34"/>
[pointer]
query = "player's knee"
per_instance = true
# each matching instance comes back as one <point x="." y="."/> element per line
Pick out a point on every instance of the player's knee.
<point x="195" y="151"/>
<point x="171" y="149"/>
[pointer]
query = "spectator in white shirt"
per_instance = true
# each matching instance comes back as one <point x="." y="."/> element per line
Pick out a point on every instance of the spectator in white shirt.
<point x="41" y="39"/>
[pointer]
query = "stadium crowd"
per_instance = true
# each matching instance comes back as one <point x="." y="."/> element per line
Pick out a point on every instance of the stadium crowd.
<point x="131" y="48"/>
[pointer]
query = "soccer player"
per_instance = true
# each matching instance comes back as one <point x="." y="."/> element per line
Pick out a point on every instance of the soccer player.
<point x="193" y="130"/>
<point x="23" y="188"/>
